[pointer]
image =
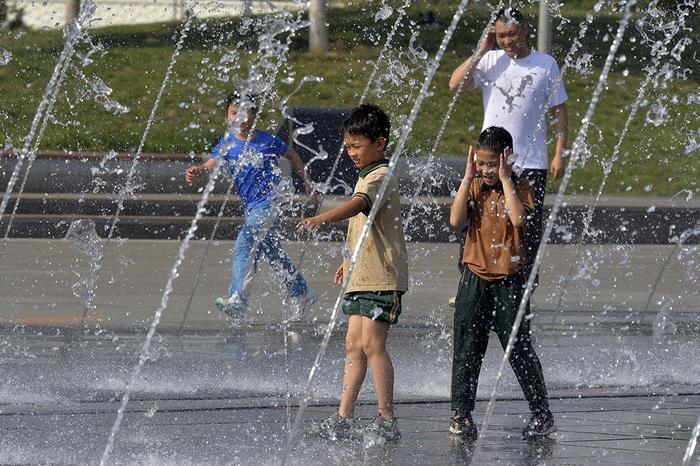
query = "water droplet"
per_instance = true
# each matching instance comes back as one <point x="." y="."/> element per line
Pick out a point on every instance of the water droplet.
<point x="5" y="57"/>
<point x="384" y="13"/>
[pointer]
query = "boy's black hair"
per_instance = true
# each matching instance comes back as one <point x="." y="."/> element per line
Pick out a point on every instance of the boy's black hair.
<point x="368" y="120"/>
<point x="236" y="97"/>
<point x="495" y="139"/>
<point x="510" y="14"/>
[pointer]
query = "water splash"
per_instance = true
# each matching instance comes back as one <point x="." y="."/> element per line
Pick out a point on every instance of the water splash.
<point x="303" y="128"/>
<point x="83" y="235"/>
<point x="271" y="48"/>
<point x="415" y="53"/>
<point x="324" y="189"/>
<point x="692" y="442"/>
<point x="72" y="33"/>
<point x="654" y="73"/>
<point x="383" y="14"/>
<point x="5" y="57"/>
<point x="422" y="178"/>
<point x="129" y="185"/>
<point x="144" y="353"/>
<point x="663" y="323"/>
<point x="96" y="89"/>
<point x="568" y="62"/>
<point x="584" y="64"/>
<point x="395" y="75"/>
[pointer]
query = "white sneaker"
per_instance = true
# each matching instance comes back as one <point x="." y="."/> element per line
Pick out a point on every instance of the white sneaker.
<point x="300" y="304"/>
<point x="234" y="307"/>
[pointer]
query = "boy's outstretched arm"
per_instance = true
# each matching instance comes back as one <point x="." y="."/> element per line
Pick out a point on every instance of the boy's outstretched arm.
<point x="459" y="209"/>
<point x="193" y="170"/>
<point x="299" y="167"/>
<point x="343" y="212"/>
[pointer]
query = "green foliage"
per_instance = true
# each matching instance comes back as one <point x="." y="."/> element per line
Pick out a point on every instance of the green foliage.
<point x="133" y="61"/>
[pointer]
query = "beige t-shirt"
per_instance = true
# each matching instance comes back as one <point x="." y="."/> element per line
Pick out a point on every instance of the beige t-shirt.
<point x="383" y="263"/>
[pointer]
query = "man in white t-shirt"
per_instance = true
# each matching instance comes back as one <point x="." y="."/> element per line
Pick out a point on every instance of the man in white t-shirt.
<point x="519" y="87"/>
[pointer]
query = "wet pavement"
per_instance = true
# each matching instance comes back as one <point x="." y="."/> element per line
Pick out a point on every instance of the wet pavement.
<point x="622" y="369"/>
<point x="229" y="398"/>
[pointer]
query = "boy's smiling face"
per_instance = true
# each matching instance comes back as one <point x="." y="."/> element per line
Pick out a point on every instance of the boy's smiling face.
<point x="487" y="163"/>
<point x="246" y="125"/>
<point x="362" y="150"/>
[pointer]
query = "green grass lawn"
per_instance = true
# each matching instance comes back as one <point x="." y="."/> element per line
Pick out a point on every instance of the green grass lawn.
<point x="132" y="61"/>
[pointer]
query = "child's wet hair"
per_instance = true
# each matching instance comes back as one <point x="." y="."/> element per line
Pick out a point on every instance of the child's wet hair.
<point x="236" y="97"/>
<point x="509" y="15"/>
<point x="495" y="139"/>
<point x="368" y="120"/>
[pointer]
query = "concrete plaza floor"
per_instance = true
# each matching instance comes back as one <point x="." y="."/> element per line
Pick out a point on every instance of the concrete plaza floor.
<point x="595" y="283"/>
<point x="231" y="398"/>
<point x="621" y="368"/>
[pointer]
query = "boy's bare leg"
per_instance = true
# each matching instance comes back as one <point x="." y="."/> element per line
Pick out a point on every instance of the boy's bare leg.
<point x="374" y="335"/>
<point x="355" y="367"/>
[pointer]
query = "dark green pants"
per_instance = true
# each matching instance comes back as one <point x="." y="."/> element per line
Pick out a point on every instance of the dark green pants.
<point x="482" y="306"/>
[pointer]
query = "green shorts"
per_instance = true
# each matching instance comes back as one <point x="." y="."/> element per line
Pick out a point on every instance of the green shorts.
<point x="384" y="306"/>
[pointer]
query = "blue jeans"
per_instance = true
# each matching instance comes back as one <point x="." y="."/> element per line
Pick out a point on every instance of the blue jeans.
<point x="259" y="234"/>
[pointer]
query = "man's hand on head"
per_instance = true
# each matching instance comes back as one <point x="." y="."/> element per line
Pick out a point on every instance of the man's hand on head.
<point x="488" y="40"/>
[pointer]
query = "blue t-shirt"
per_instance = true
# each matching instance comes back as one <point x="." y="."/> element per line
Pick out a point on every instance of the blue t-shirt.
<point x="253" y="165"/>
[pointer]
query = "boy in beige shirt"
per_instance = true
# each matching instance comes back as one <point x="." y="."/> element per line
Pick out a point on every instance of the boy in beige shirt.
<point x="380" y="277"/>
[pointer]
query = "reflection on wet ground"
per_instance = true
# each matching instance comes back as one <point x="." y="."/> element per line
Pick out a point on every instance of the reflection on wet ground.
<point x="255" y="361"/>
<point x="230" y="397"/>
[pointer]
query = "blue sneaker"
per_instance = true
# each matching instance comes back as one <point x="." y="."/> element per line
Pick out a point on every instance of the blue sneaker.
<point x="234" y="307"/>
<point x="299" y="305"/>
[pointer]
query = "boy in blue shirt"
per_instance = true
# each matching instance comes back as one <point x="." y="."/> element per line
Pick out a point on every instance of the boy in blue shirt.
<point x="252" y="156"/>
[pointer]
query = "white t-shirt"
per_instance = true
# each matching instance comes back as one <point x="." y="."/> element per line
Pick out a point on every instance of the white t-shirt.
<point x="517" y="95"/>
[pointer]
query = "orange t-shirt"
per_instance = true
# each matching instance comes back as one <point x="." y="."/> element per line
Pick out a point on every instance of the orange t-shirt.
<point x="494" y="247"/>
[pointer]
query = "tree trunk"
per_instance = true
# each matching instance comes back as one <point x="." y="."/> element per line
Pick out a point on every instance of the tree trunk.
<point x="318" y="33"/>
<point x="72" y="10"/>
